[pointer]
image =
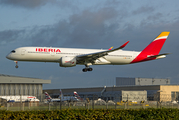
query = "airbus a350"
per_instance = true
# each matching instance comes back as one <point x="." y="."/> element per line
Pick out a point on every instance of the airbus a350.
<point x="70" y="57"/>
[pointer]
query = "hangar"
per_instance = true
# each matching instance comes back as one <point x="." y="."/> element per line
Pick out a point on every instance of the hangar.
<point x="14" y="85"/>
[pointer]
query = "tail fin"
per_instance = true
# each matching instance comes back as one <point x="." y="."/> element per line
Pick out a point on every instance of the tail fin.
<point x="47" y="96"/>
<point x="76" y="95"/>
<point x="156" y="45"/>
<point x="61" y="94"/>
<point x="153" y="48"/>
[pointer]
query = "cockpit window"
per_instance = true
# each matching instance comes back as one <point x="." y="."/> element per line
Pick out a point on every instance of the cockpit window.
<point x="13" y="51"/>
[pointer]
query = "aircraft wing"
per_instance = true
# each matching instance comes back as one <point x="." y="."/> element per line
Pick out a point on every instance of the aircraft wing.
<point x="93" y="56"/>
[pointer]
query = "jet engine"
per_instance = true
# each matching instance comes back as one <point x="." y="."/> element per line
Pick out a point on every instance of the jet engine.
<point x="68" y="61"/>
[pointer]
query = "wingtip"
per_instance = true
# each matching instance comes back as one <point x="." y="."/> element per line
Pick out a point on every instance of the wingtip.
<point x="122" y="46"/>
<point x="110" y="48"/>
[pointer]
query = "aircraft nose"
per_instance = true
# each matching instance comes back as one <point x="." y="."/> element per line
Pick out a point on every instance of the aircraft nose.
<point x="8" y="56"/>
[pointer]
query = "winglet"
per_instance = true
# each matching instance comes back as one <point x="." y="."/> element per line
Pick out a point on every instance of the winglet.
<point x="110" y="48"/>
<point x="122" y="46"/>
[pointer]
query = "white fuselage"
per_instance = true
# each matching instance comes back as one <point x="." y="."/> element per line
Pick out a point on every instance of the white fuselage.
<point x="48" y="54"/>
<point x="69" y="98"/>
<point x="64" y="98"/>
<point x="19" y="98"/>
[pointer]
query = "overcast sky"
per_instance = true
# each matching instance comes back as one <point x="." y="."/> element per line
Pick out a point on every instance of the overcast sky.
<point x="89" y="24"/>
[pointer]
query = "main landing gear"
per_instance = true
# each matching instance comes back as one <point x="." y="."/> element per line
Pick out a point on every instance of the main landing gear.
<point x="87" y="68"/>
<point x="16" y="64"/>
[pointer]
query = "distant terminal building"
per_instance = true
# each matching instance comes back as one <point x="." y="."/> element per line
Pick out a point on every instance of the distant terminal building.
<point x="14" y="85"/>
<point x="151" y="89"/>
<point x="123" y="81"/>
<point x="154" y="92"/>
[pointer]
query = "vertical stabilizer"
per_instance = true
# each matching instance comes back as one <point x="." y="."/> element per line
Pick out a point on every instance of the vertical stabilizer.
<point x="47" y="96"/>
<point x="152" y="49"/>
<point x="61" y="94"/>
<point x="77" y="96"/>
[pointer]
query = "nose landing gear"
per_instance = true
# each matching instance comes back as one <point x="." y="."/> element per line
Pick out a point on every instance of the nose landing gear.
<point x="16" y="64"/>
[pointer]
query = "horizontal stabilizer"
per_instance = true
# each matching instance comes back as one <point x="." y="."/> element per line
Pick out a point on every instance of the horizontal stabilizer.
<point x="157" y="56"/>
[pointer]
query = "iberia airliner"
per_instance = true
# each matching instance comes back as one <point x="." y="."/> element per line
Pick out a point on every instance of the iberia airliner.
<point x="69" y="57"/>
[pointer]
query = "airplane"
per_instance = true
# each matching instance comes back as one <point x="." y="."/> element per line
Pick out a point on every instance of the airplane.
<point x="77" y="96"/>
<point x="69" y="98"/>
<point x="61" y="97"/>
<point x="70" y="57"/>
<point x="49" y="99"/>
<point x="18" y="98"/>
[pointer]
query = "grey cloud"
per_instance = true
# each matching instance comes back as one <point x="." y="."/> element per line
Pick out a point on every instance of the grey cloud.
<point x="8" y="36"/>
<point x="50" y="35"/>
<point x="153" y="19"/>
<point x="112" y="2"/>
<point x="36" y="3"/>
<point x="156" y="16"/>
<point x="88" y="29"/>
<point x="142" y="9"/>
<point x="82" y="29"/>
<point x="25" y="3"/>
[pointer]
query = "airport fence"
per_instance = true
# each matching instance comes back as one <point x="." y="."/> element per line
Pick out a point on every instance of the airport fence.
<point x="93" y="102"/>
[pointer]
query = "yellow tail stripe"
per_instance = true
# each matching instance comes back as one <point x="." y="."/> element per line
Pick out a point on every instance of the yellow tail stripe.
<point x="163" y="34"/>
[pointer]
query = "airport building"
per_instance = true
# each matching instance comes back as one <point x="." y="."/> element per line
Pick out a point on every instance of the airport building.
<point x="136" y="88"/>
<point x="123" y="81"/>
<point x="13" y="85"/>
<point x="154" y="92"/>
<point x="154" y="89"/>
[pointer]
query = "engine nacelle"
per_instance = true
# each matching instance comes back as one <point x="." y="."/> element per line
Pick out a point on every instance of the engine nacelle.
<point x="67" y="61"/>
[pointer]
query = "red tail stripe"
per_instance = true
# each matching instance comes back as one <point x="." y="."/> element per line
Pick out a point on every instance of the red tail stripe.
<point x="152" y="49"/>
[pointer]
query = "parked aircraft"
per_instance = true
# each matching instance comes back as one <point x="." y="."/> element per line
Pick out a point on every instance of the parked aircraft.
<point x="69" y="98"/>
<point x="77" y="96"/>
<point x="18" y="98"/>
<point x="61" y="97"/>
<point x="49" y="99"/>
<point x="68" y="57"/>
